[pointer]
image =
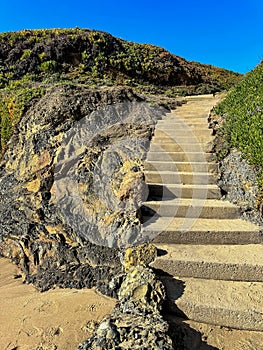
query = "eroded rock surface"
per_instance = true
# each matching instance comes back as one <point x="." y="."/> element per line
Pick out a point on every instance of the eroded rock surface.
<point x="136" y="321"/>
<point x="239" y="184"/>
<point x="79" y="141"/>
<point x="237" y="178"/>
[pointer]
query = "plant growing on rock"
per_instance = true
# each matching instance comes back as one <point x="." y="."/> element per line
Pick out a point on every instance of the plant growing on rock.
<point x="242" y="129"/>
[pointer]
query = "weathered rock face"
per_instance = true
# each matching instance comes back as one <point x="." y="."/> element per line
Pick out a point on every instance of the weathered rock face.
<point x="239" y="184"/>
<point x="237" y="178"/>
<point x="72" y="183"/>
<point x="135" y="322"/>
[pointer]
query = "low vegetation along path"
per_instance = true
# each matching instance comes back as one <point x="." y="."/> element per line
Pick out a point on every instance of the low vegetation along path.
<point x="210" y="258"/>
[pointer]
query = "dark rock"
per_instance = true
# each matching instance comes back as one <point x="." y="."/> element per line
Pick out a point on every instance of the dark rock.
<point x="75" y="141"/>
<point x="136" y="321"/>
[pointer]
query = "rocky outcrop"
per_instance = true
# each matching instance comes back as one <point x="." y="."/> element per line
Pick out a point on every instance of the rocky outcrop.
<point x="72" y="183"/>
<point x="136" y="321"/>
<point x="237" y="178"/>
<point x="238" y="184"/>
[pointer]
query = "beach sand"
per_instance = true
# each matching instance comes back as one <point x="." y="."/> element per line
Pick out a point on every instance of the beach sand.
<point x="58" y="319"/>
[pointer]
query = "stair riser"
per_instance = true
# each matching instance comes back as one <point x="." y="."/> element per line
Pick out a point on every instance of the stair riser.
<point x="180" y="140"/>
<point x="215" y="271"/>
<point x="180" y="157"/>
<point x="181" y="178"/>
<point x="233" y="319"/>
<point x="176" y="147"/>
<point x="198" y="212"/>
<point x="204" y="237"/>
<point x="170" y="192"/>
<point x="183" y="132"/>
<point x="187" y="167"/>
<point x="187" y="115"/>
<point x="190" y="120"/>
<point x="190" y="138"/>
<point x="225" y="308"/>
<point x="181" y="125"/>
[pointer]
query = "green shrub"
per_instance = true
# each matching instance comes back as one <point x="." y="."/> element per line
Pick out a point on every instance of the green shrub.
<point x="243" y="113"/>
<point x="42" y="56"/>
<point x="26" y="54"/>
<point x="48" y="66"/>
<point x="13" y="102"/>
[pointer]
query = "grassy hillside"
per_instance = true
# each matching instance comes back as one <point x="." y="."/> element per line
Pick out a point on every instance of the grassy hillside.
<point x="76" y="54"/>
<point x="32" y="61"/>
<point x="242" y="110"/>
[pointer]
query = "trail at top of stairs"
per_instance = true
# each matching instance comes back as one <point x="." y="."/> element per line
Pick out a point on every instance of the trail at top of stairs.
<point x="210" y="259"/>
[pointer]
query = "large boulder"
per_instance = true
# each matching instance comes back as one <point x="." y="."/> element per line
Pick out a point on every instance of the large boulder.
<point x="71" y="185"/>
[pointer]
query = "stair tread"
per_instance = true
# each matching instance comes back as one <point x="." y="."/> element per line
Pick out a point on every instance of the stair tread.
<point x="193" y="202"/>
<point x="229" y="254"/>
<point x="216" y="256"/>
<point x="179" y="152"/>
<point x="173" y="172"/>
<point x="174" y="143"/>
<point x="234" y="304"/>
<point x="201" y="224"/>
<point x="181" y="185"/>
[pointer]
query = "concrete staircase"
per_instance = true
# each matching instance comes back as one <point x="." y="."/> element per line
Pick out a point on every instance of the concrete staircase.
<point x="211" y="260"/>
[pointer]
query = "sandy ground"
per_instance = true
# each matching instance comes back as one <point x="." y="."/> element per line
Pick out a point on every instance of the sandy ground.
<point x="58" y="319"/>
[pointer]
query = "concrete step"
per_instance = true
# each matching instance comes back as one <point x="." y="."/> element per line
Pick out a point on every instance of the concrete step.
<point x="181" y="166"/>
<point x="183" y="132"/>
<point x="187" y="114"/>
<point x="192" y="157"/>
<point x="218" y="262"/>
<point x="192" y="208"/>
<point x="183" y="140"/>
<point x="177" y="118"/>
<point x="161" y="191"/>
<point x="230" y="304"/>
<point x="180" y="124"/>
<point x="163" y="135"/>
<point x="178" y="147"/>
<point x="170" y="177"/>
<point x="204" y="231"/>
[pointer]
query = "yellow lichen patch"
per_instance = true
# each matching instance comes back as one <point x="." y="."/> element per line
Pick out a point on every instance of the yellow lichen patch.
<point x="24" y="167"/>
<point x="52" y="230"/>
<point x="95" y="207"/>
<point x="111" y="218"/>
<point x="127" y="185"/>
<point x="247" y="186"/>
<point x="142" y="254"/>
<point x="58" y="229"/>
<point x="140" y="292"/>
<point x="126" y="178"/>
<point x="33" y="186"/>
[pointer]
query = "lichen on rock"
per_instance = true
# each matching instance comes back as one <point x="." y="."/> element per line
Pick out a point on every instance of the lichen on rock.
<point x="106" y="131"/>
<point x="142" y="254"/>
<point x="136" y="321"/>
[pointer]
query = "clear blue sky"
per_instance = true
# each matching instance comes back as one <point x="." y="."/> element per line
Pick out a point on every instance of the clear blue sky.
<point x="225" y="33"/>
